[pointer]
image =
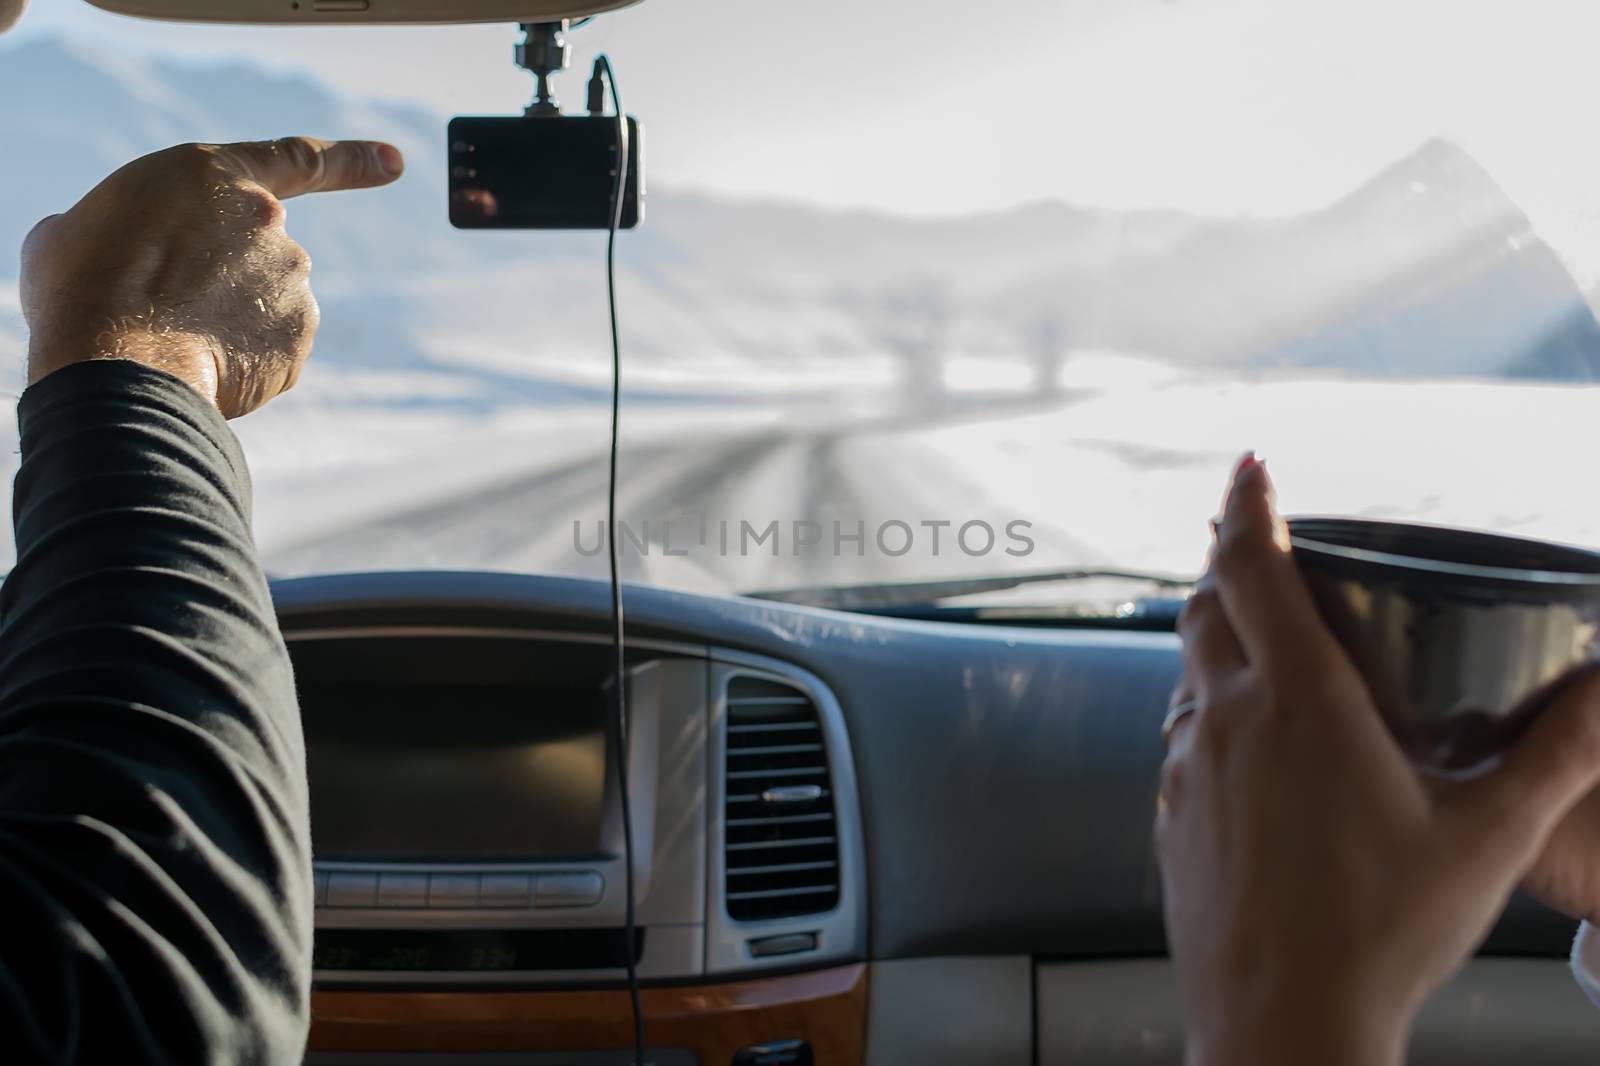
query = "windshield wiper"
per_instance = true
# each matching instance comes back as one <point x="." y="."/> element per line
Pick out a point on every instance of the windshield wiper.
<point x="923" y="596"/>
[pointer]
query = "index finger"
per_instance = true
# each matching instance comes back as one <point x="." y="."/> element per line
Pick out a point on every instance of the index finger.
<point x="1266" y="599"/>
<point x="294" y="166"/>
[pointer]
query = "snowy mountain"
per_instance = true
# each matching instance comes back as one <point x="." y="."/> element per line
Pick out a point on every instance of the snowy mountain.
<point x="1428" y="268"/>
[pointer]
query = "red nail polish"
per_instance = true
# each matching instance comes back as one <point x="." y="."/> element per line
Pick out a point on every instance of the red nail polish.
<point x="1246" y="461"/>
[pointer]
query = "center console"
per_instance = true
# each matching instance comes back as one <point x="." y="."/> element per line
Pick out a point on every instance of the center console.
<point x="467" y="821"/>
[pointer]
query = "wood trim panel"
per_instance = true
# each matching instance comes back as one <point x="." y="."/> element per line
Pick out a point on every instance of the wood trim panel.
<point x="826" y="1007"/>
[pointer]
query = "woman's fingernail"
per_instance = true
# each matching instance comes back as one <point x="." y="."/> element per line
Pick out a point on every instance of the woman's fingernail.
<point x="390" y="159"/>
<point x="1260" y="469"/>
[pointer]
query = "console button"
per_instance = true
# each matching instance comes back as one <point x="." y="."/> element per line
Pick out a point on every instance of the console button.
<point x="784" y="944"/>
<point x="452" y="890"/>
<point x="403" y="890"/>
<point x="775" y="1053"/>
<point x="352" y="889"/>
<point x="568" y="890"/>
<point x="505" y="890"/>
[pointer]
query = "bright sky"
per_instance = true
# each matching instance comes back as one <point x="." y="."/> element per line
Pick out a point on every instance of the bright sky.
<point x="1253" y="106"/>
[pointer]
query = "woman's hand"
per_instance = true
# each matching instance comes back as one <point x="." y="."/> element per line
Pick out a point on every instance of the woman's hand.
<point x="1317" y="889"/>
<point x="1566" y="876"/>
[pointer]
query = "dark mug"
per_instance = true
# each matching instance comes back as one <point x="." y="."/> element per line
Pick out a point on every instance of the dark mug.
<point x="1461" y="636"/>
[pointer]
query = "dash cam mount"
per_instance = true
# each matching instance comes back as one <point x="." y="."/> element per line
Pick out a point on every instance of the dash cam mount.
<point x="543" y="51"/>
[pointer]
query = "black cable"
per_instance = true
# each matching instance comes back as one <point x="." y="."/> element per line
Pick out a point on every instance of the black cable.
<point x="603" y="65"/>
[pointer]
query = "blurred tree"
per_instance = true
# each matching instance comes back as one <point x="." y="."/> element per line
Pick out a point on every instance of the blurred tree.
<point x="912" y="321"/>
<point x="1047" y="341"/>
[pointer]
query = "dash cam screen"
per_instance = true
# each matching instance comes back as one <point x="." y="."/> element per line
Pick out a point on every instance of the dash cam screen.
<point x="541" y="173"/>
<point x="451" y="773"/>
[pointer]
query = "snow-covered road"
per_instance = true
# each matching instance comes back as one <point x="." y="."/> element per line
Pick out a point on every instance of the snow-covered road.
<point x="1120" y="471"/>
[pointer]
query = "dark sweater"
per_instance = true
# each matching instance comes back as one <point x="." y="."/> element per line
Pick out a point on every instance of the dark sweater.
<point x="155" y="870"/>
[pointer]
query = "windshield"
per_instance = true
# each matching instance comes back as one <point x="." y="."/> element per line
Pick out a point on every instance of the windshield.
<point x="920" y="295"/>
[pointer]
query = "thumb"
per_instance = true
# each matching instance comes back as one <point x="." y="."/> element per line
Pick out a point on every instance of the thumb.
<point x="1553" y="766"/>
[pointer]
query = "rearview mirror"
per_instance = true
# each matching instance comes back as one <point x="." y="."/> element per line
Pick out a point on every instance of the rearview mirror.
<point x="313" y="12"/>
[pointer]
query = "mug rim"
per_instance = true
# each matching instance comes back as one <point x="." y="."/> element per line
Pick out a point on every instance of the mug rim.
<point x="1303" y="530"/>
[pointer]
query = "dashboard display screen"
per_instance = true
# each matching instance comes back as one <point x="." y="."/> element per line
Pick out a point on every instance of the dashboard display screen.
<point x="454" y="773"/>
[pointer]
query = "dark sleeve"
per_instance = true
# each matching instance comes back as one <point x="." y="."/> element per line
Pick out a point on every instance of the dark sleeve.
<point x="155" y="871"/>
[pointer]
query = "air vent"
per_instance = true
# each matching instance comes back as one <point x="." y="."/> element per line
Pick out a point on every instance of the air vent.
<point x="781" y="845"/>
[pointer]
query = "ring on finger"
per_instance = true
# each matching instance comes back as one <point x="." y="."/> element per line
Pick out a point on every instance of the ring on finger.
<point x="1176" y="714"/>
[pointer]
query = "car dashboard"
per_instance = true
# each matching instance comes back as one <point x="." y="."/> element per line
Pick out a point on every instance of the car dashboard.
<point x="857" y="838"/>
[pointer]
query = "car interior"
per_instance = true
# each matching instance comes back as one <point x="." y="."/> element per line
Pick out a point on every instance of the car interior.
<point x="890" y="808"/>
<point x="895" y="840"/>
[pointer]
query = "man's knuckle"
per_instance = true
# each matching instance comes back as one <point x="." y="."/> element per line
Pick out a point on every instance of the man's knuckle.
<point x="355" y="168"/>
<point x="298" y="150"/>
<point x="305" y="155"/>
<point x="293" y="377"/>
<point x="297" y="260"/>
<point x="298" y="327"/>
<point x="193" y="161"/>
<point x="262" y="208"/>
<point x="190" y="153"/>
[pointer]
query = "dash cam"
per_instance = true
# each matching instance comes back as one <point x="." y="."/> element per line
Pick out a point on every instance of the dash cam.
<point x="542" y="173"/>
